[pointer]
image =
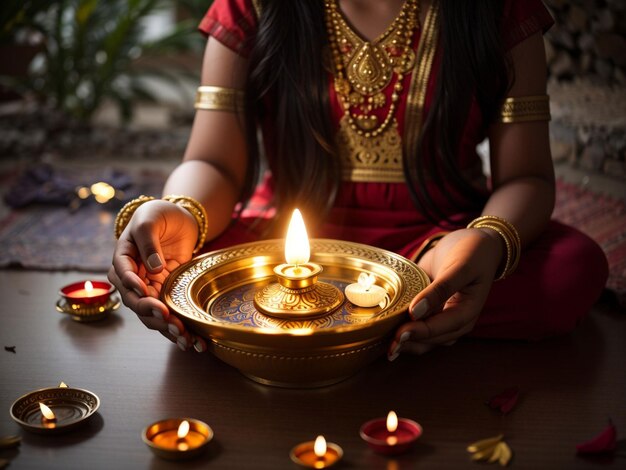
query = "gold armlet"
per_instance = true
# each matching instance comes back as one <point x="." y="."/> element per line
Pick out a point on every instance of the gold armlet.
<point x="525" y="108"/>
<point x="126" y="212"/>
<point x="199" y="213"/>
<point x="219" y="99"/>
<point x="509" y="235"/>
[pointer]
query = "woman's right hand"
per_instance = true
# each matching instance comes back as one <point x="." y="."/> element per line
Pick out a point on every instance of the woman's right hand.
<point x="159" y="237"/>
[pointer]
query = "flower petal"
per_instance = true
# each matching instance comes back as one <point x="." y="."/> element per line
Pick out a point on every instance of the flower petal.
<point x="603" y="442"/>
<point x="504" y="401"/>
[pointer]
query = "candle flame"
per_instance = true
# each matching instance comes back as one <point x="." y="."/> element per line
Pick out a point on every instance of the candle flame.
<point x="297" y="249"/>
<point x="366" y="280"/>
<point x="392" y="421"/>
<point x="88" y="287"/>
<point x="46" y="411"/>
<point x="320" y="446"/>
<point x="183" y="429"/>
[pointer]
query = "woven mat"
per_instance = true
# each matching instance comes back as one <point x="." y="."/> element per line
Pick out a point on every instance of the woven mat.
<point x="603" y="218"/>
<point x="53" y="237"/>
<point x="56" y="238"/>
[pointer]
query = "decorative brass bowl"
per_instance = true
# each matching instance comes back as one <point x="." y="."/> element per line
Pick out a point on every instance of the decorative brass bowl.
<point x="214" y="296"/>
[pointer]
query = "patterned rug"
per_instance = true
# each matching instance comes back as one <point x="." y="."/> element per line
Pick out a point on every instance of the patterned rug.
<point x="53" y="237"/>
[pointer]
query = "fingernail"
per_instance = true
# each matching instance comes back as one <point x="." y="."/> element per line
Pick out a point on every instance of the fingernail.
<point x="173" y="329"/>
<point x="420" y="309"/>
<point x="181" y="342"/>
<point x="404" y="337"/>
<point x="157" y="314"/>
<point x="395" y="353"/>
<point x="198" y="346"/>
<point x="138" y="292"/>
<point x="154" y="261"/>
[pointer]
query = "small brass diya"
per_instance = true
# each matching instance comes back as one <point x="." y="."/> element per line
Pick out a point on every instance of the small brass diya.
<point x="69" y="408"/>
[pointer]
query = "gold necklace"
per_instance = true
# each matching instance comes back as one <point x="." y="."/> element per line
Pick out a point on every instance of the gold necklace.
<point x="363" y="70"/>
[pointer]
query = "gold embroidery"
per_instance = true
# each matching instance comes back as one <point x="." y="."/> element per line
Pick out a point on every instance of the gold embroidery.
<point x="219" y="99"/>
<point x="364" y="69"/>
<point x="419" y="81"/>
<point x="525" y="108"/>
<point x="378" y="158"/>
<point x="370" y="159"/>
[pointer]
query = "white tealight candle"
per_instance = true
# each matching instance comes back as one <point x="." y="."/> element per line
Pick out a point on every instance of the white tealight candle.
<point x="365" y="293"/>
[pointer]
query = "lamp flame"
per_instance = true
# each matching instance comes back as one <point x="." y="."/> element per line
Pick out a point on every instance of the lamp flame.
<point x="320" y="447"/>
<point x="392" y="421"/>
<point x="183" y="429"/>
<point x="88" y="287"/>
<point x="366" y="281"/>
<point x="46" y="411"/>
<point x="297" y="249"/>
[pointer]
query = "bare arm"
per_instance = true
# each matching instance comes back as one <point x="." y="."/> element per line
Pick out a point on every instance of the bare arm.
<point x="521" y="164"/>
<point x="214" y="164"/>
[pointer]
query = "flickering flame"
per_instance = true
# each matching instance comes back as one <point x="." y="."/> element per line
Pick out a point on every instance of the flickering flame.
<point x="366" y="280"/>
<point x="392" y="421"/>
<point x="183" y="429"/>
<point x="88" y="287"/>
<point x="46" y="411"/>
<point x="320" y="446"/>
<point x="297" y="249"/>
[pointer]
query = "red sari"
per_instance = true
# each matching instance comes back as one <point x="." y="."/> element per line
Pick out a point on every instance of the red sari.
<point x="560" y="275"/>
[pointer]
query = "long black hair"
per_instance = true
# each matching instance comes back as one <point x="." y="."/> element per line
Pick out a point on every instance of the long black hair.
<point x="287" y="67"/>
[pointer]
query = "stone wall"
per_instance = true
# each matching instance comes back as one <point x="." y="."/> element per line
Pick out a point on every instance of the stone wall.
<point x="586" y="53"/>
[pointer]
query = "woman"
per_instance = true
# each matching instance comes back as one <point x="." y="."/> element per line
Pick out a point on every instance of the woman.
<point x="370" y="115"/>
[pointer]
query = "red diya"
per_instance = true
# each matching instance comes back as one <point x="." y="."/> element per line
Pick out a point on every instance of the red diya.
<point x="391" y="436"/>
<point x="87" y="292"/>
<point x="87" y="300"/>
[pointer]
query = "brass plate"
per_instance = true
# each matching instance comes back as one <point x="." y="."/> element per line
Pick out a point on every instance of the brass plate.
<point x="214" y="295"/>
<point x="72" y="407"/>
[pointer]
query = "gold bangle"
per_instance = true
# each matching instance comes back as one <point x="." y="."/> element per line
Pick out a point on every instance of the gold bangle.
<point x="219" y="99"/>
<point x="126" y="212"/>
<point x="509" y="235"/>
<point x="525" y="108"/>
<point x="198" y="212"/>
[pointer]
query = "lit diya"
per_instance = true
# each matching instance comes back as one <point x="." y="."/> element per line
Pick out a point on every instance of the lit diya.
<point x="177" y="439"/>
<point x="391" y="436"/>
<point x="55" y="409"/>
<point x="316" y="454"/>
<point x="87" y="300"/>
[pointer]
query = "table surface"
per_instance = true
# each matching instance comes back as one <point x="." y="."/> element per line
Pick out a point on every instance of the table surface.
<point x="570" y="387"/>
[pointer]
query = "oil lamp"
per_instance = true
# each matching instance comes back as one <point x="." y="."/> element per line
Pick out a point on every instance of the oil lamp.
<point x="298" y="294"/>
<point x="177" y="439"/>
<point x="87" y="300"/>
<point x="54" y="410"/>
<point x="391" y="436"/>
<point x="316" y="454"/>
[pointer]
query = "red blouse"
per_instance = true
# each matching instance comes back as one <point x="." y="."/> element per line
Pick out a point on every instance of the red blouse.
<point x="382" y="214"/>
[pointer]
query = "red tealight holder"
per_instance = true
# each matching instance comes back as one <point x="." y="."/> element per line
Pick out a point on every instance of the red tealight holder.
<point x="79" y="292"/>
<point x="380" y="439"/>
<point x="87" y="301"/>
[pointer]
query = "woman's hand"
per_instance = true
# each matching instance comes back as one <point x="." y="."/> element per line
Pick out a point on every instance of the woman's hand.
<point x="159" y="237"/>
<point x="462" y="266"/>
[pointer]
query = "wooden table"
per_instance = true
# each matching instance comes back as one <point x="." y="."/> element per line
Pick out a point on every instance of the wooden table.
<point x="570" y="387"/>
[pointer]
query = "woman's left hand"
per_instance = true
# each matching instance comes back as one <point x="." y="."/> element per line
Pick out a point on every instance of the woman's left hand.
<point x="462" y="267"/>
